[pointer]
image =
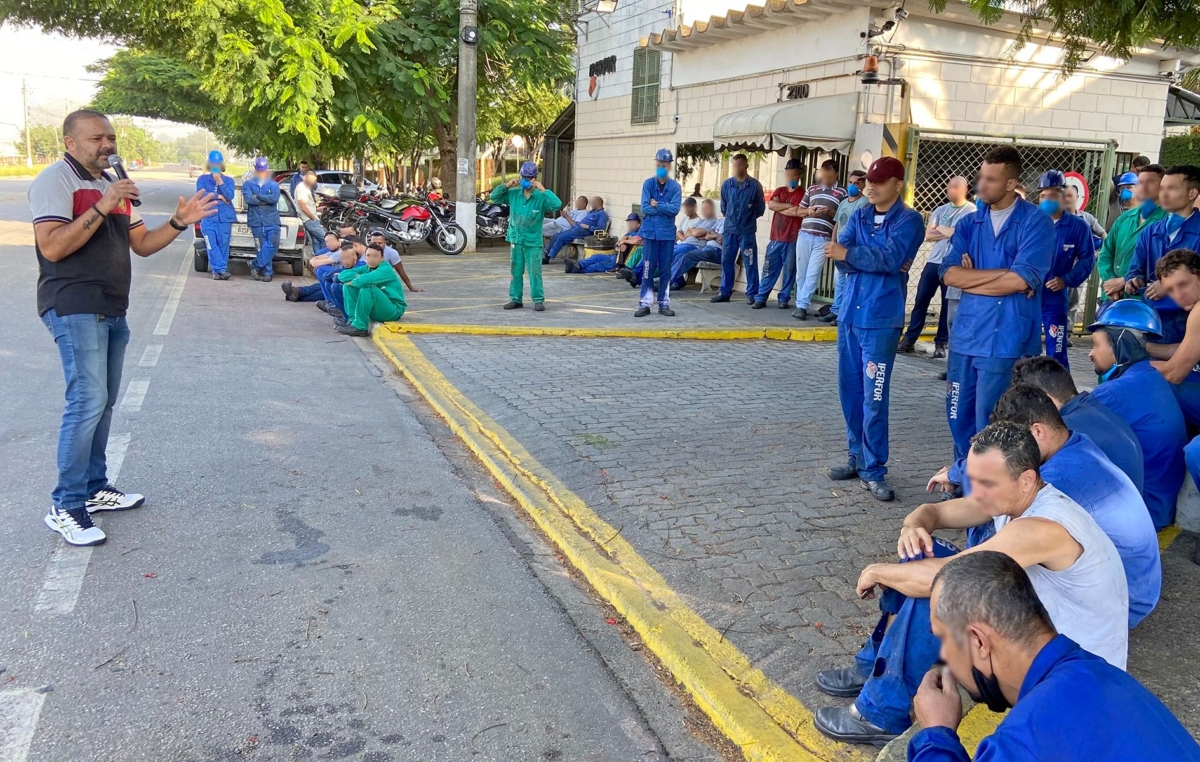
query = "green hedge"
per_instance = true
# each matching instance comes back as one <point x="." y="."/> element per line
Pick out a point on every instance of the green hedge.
<point x="1180" y="149"/>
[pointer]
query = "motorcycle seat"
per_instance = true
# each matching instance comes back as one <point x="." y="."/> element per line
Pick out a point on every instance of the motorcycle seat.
<point x="388" y="203"/>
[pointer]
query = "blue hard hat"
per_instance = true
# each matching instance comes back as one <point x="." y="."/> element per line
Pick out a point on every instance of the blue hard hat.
<point x="215" y="157"/>
<point x="1129" y="178"/>
<point x="664" y="154"/>
<point x="529" y="169"/>
<point x="261" y="164"/>
<point x="1052" y="178"/>
<point x="1129" y="313"/>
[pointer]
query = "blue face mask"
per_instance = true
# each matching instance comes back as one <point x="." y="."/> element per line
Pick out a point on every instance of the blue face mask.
<point x="1050" y="206"/>
<point x="1174" y="222"/>
<point x="1148" y="208"/>
<point x="1108" y="373"/>
<point x="793" y="183"/>
<point x="979" y="205"/>
<point x="526" y="183"/>
<point x="1125" y="194"/>
<point x="661" y="173"/>
<point x="853" y="190"/>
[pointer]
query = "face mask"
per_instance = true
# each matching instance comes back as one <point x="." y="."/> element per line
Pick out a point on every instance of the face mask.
<point x="661" y="173"/>
<point x="1148" y="207"/>
<point x="853" y="190"/>
<point x="526" y="184"/>
<point x="989" y="692"/>
<point x="979" y="205"/>
<point x="1126" y="194"/>
<point x="1108" y="373"/>
<point x="1050" y="206"/>
<point x="793" y="183"/>
<point x="1174" y="222"/>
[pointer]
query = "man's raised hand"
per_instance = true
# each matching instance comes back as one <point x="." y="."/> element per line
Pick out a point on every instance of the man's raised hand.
<point x="192" y="210"/>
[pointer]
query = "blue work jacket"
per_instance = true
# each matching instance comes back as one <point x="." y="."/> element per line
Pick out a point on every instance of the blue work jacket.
<point x="225" y="211"/>
<point x="1073" y="707"/>
<point x="1152" y="245"/>
<point x="262" y="202"/>
<point x="741" y="205"/>
<point x="1002" y="326"/>
<point x="876" y="265"/>
<point x="1085" y="474"/>
<point x="658" y="222"/>
<point x="1074" y="255"/>
<point x="1084" y="414"/>
<point x="597" y="219"/>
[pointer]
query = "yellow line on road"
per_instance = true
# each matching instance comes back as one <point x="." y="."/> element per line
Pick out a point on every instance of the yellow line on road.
<point x="767" y="723"/>
<point x="698" y="334"/>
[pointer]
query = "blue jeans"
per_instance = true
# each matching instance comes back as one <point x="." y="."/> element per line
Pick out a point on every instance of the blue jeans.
<point x="266" y="238"/>
<point x="216" y="241"/>
<point x="92" y="350"/>
<point x="781" y="262"/>
<point x="839" y="286"/>
<point x="865" y="360"/>
<point x="316" y="235"/>
<point x="929" y="285"/>
<point x="331" y="287"/>
<point x="732" y="245"/>
<point x="310" y="293"/>
<point x="564" y="238"/>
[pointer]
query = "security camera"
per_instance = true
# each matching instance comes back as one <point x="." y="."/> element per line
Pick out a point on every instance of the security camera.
<point x="888" y="25"/>
<point x="675" y="119"/>
<point x="901" y="14"/>
<point x="1170" y="68"/>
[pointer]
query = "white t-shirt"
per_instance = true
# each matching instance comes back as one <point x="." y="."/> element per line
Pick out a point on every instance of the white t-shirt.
<point x="391" y="256"/>
<point x="304" y="195"/>
<point x="687" y="223"/>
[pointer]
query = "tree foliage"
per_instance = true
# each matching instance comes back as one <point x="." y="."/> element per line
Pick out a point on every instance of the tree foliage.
<point x="44" y="140"/>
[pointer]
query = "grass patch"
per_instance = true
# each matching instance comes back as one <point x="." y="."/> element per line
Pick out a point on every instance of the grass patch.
<point x="597" y="441"/>
<point x="21" y="170"/>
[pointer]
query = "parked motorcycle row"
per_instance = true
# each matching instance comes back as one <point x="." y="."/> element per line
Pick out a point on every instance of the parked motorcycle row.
<point x="410" y="219"/>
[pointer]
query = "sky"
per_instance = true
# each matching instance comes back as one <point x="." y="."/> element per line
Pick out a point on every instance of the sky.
<point x="55" y="70"/>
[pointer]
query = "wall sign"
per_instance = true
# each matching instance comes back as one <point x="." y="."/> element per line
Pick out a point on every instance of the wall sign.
<point x="796" y="92"/>
<point x="603" y="66"/>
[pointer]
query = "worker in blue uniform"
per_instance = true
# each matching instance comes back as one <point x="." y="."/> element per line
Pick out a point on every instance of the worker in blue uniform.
<point x="1134" y="390"/>
<point x="261" y="193"/>
<point x="1074" y="256"/>
<point x="661" y="198"/>
<point x="218" y="229"/>
<point x="1077" y="467"/>
<point x="742" y="203"/>
<point x="1065" y="704"/>
<point x="999" y="256"/>
<point x="1180" y="229"/>
<point x="1179" y="274"/>
<point x="874" y="249"/>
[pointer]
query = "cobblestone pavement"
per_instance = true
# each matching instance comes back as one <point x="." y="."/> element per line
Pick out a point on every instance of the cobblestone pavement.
<point x="711" y="459"/>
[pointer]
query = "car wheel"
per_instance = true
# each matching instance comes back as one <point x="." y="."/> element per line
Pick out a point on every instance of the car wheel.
<point x="200" y="260"/>
<point x="298" y="267"/>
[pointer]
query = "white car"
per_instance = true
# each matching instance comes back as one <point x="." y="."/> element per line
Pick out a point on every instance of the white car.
<point x="292" y="249"/>
<point x="329" y="180"/>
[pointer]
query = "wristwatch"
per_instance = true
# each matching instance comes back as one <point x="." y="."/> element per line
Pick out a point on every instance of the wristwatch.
<point x="176" y="225"/>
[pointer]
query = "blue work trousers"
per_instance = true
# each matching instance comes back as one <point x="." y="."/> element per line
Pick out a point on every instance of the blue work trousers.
<point x="929" y="285"/>
<point x="735" y="244"/>
<point x="865" y="360"/>
<point x="1191" y="456"/>
<point x="310" y="292"/>
<point x="92" y="350"/>
<point x="1054" y="325"/>
<point x="781" y="263"/>
<point x="896" y="658"/>
<point x="656" y="263"/>
<point x="687" y="258"/>
<point x="562" y="239"/>
<point x="216" y="240"/>
<point x="1187" y="394"/>
<point x="266" y="241"/>
<point x="973" y="386"/>
<point x="331" y="287"/>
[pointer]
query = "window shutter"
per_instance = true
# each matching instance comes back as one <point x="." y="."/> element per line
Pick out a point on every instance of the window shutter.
<point x="647" y="79"/>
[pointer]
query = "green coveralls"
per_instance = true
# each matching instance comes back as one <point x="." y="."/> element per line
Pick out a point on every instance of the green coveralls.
<point x="526" y="213"/>
<point x="1112" y="261"/>
<point x="372" y="295"/>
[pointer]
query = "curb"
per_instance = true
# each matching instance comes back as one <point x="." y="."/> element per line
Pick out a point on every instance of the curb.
<point x="763" y="720"/>
<point x="697" y="334"/>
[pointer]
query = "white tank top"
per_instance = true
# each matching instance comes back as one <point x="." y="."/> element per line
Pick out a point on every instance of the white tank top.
<point x="1089" y="600"/>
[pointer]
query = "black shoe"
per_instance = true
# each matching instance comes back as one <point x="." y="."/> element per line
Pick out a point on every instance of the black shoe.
<point x="666" y="311"/>
<point x="255" y="273"/>
<point x="324" y="305"/>
<point x="942" y="376"/>
<point x="785" y="305"/>
<point x="800" y="313"/>
<point x="906" y="346"/>
<point x="751" y="300"/>
<point x="939" y="352"/>
<point x="844" y="683"/>
<point x="266" y="278"/>
<point x="513" y="306"/>
<point x="223" y="276"/>
<point x="759" y="305"/>
<point x="843" y="473"/>
<point x="879" y="490"/>
<point x="545" y="259"/>
<point x="340" y="320"/>
<point x="335" y="313"/>
<point x="539" y="307"/>
<point x="289" y="291"/>
<point x="1069" y="344"/>
<point x="842" y="724"/>
<point x="349" y="330"/>
<point x="719" y="298"/>
<point x="828" y="317"/>
<point x="642" y="311"/>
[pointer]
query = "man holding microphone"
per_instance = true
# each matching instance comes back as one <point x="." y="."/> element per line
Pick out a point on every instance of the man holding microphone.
<point x="84" y="226"/>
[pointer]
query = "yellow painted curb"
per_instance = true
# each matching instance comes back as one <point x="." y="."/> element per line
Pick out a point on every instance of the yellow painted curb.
<point x="767" y="723"/>
<point x="1166" y="536"/>
<point x="697" y="334"/>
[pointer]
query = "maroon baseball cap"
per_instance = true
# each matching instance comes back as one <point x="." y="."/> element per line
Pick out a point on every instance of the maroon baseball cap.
<point x="887" y="168"/>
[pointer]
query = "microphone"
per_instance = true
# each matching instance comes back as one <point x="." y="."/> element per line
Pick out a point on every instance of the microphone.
<point x="117" y="164"/>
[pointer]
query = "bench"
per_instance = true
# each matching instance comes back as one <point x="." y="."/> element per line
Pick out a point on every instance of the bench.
<point x="709" y="275"/>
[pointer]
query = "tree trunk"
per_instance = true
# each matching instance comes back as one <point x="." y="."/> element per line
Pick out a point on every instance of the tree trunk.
<point x="447" y="145"/>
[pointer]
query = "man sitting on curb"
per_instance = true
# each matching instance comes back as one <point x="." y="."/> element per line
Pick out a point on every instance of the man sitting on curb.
<point x="1073" y="565"/>
<point x="373" y="294"/>
<point x="596" y="219"/>
<point x="392" y="257"/>
<point x="1002" y="645"/>
<point x="311" y="292"/>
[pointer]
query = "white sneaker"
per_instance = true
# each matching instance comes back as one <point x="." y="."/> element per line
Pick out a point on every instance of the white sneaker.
<point x="76" y="527"/>
<point x="112" y="499"/>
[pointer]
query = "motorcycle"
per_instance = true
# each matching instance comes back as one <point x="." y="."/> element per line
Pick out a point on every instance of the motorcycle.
<point x="491" y="220"/>
<point x="408" y="221"/>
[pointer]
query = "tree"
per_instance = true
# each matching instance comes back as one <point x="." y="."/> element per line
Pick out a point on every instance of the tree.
<point x="45" y="141"/>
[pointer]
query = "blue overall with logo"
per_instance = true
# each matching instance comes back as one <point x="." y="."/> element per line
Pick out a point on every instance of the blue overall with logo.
<point x="1074" y="256"/>
<point x="218" y="229"/>
<point x="262" y="216"/>
<point x="869" y="323"/>
<point x="741" y="206"/>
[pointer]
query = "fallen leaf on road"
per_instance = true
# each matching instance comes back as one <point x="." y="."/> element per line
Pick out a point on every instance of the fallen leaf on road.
<point x="604" y="472"/>
<point x="149" y="575"/>
<point x="818" y="625"/>
<point x="610" y="620"/>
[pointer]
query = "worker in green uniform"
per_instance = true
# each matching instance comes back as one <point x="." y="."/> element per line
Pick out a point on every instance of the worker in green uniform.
<point x="1112" y="261"/>
<point x="372" y="293"/>
<point x="528" y="201"/>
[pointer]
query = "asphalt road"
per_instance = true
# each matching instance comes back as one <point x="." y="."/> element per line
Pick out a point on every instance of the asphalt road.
<point x="317" y="574"/>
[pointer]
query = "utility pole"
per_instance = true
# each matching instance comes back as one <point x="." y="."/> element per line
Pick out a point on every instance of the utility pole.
<point x="464" y="196"/>
<point x="28" y="140"/>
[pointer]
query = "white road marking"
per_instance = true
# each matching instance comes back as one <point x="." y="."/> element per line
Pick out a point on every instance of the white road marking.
<point x="135" y="394"/>
<point x="168" y="313"/>
<point x="68" y="564"/>
<point x="150" y="356"/>
<point x="19" y="712"/>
